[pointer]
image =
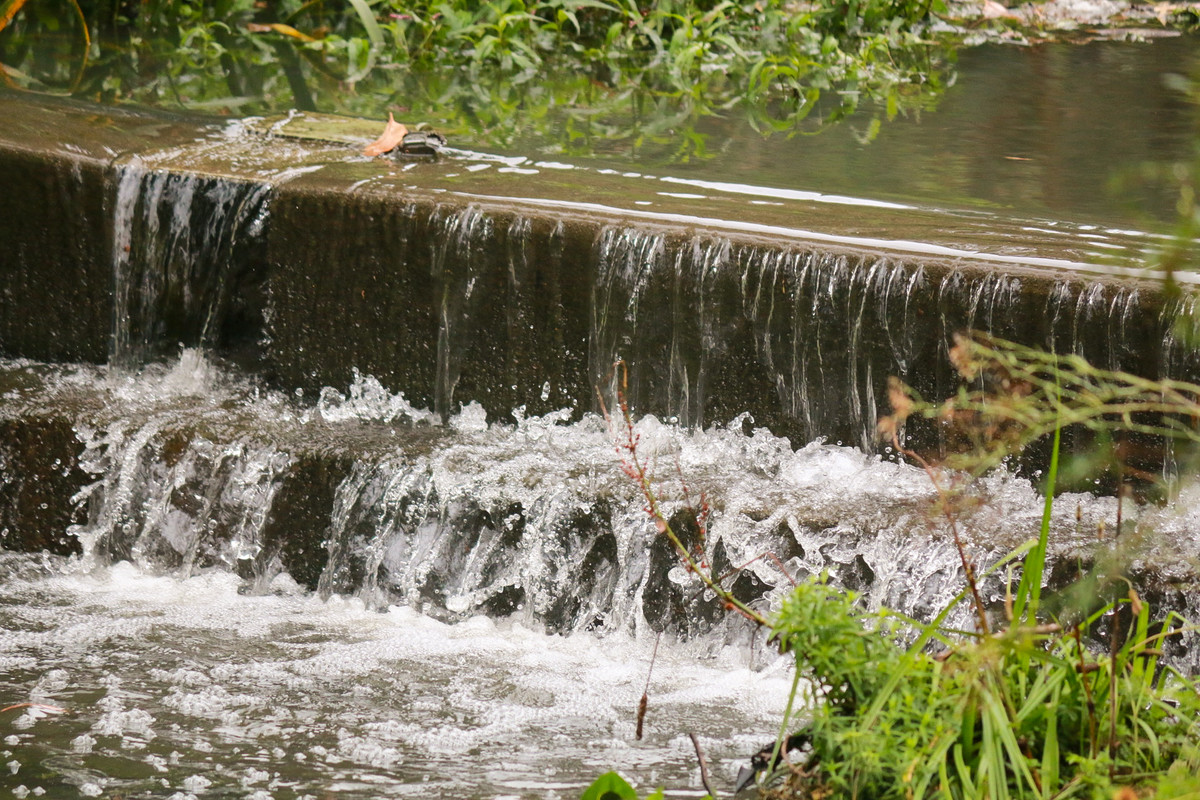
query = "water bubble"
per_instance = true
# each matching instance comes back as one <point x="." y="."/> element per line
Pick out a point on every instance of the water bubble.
<point x="680" y="576"/>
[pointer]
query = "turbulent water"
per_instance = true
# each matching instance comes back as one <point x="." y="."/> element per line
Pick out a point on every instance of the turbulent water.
<point x="186" y="687"/>
<point x="475" y="613"/>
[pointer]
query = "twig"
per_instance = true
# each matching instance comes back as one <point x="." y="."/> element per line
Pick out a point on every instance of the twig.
<point x="39" y="706"/>
<point x="735" y="570"/>
<point x="703" y="765"/>
<point x="948" y="512"/>
<point x="645" y="701"/>
<point x="1083" y="669"/>
<point x="769" y="555"/>
<point x="638" y="471"/>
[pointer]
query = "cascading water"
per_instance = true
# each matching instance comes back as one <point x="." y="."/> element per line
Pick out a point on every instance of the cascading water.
<point x="187" y="252"/>
<point x="458" y="267"/>
<point x="445" y="560"/>
<point x="707" y="327"/>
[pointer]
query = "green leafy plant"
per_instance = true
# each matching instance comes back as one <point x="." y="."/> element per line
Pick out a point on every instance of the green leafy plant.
<point x="1033" y="708"/>
<point x="1027" y="712"/>
<point x="611" y="786"/>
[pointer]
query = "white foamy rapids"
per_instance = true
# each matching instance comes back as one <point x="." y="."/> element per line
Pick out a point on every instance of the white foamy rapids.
<point x="533" y="518"/>
<point x="284" y="601"/>
<point x="170" y="682"/>
<point x="368" y="400"/>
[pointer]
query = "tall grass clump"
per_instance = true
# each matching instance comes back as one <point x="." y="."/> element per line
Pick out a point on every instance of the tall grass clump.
<point x="1034" y="700"/>
<point x="1027" y="704"/>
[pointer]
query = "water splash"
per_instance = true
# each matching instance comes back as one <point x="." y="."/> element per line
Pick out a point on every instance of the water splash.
<point x="363" y="495"/>
<point x="169" y="499"/>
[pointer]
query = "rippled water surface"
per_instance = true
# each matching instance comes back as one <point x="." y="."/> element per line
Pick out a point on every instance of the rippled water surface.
<point x="186" y="687"/>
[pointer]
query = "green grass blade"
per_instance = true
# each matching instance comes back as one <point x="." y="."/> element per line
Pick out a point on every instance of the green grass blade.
<point x="969" y="791"/>
<point x="1004" y="742"/>
<point x="374" y="32"/>
<point x="928" y="632"/>
<point x="1050" y="754"/>
<point x="1029" y="592"/>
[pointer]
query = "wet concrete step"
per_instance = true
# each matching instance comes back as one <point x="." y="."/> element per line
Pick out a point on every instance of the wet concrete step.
<point x="186" y="468"/>
<point x="514" y="281"/>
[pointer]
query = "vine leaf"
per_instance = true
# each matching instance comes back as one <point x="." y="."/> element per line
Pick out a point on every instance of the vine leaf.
<point x="393" y="132"/>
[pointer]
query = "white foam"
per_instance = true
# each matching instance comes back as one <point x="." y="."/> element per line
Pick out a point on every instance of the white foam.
<point x="195" y="662"/>
<point x="417" y="688"/>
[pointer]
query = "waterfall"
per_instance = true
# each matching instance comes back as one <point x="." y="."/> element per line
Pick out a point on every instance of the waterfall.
<point x="192" y="470"/>
<point x="186" y="260"/>
<point x="341" y="510"/>
<point x="459" y="239"/>
<point x="806" y="339"/>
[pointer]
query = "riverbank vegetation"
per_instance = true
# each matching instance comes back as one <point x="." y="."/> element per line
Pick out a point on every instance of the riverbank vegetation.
<point x="588" y="75"/>
<point x="578" y="77"/>
<point x="1039" y="696"/>
<point x="590" y="70"/>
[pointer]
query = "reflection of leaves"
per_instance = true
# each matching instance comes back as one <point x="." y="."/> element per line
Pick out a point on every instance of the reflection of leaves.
<point x="393" y="133"/>
<point x="8" y="10"/>
<point x="579" y="77"/>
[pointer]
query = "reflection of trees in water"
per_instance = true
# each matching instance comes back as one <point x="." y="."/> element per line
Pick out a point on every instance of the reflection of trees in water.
<point x="1087" y="133"/>
<point x="572" y="77"/>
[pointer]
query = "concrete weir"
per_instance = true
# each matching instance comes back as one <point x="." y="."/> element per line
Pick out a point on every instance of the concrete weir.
<point x="515" y="282"/>
<point x="273" y="246"/>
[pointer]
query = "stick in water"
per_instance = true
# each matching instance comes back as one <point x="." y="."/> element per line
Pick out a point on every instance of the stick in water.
<point x="703" y="765"/>
<point x="641" y="714"/>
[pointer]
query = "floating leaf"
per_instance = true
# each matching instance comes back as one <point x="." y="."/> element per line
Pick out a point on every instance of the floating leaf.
<point x="392" y="134"/>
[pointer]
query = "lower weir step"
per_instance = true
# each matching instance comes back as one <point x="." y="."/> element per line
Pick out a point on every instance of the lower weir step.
<point x="187" y="467"/>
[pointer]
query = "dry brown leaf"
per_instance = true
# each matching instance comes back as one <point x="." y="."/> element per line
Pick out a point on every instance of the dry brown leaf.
<point x="279" y="27"/>
<point x="393" y="132"/>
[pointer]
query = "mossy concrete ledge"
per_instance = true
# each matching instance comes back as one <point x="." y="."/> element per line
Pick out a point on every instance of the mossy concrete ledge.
<point x="515" y="282"/>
